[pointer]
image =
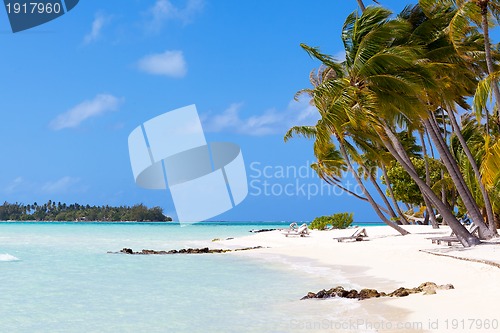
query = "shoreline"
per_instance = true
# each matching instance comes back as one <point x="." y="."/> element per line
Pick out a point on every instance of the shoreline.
<point x="387" y="261"/>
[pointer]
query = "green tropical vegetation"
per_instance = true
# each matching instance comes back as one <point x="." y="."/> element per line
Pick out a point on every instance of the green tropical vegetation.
<point x="411" y="102"/>
<point x="406" y="190"/>
<point x="336" y="221"/>
<point x="52" y="211"/>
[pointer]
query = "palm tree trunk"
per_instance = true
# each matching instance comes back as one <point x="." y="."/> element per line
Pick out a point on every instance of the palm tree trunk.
<point x="391" y="193"/>
<point x="430" y="212"/>
<point x="365" y="191"/>
<point x="443" y="194"/>
<point x="361" y="5"/>
<point x="489" y="59"/>
<point x="458" y="180"/>
<point x="392" y="213"/>
<point x="472" y="161"/>
<point x="404" y="155"/>
<point x="452" y="167"/>
<point x="443" y="191"/>
<point x="351" y="192"/>
<point x="357" y="195"/>
<point x="464" y="236"/>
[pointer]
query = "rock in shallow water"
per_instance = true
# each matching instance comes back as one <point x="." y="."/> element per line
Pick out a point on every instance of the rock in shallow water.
<point x="186" y="251"/>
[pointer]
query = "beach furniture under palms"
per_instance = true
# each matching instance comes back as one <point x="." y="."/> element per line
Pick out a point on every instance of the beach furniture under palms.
<point x="418" y="219"/>
<point x="358" y="235"/>
<point x="301" y="231"/>
<point x="473" y="229"/>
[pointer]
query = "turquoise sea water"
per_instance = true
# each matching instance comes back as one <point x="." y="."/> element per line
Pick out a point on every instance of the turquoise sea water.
<point x="58" y="277"/>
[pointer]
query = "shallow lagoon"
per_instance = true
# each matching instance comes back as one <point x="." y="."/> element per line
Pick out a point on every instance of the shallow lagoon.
<point x="65" y="281"/>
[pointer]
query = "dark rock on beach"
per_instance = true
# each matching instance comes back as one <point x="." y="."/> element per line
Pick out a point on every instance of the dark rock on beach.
<point x="368" y="293"/>
<point x="261" y="230"/>
<point x="401" y="292"/>
<point x="427" y="288"/>
<point x="184" y="251"/>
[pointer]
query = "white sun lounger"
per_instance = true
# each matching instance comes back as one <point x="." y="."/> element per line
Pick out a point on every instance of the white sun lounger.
<point x="358" y="235"/>
<point x="301" y="231"/>
<point x="473" y="229"/>
<point x="417" y="219"/>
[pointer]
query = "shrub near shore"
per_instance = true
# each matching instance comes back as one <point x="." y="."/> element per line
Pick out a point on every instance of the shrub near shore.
<point x="336" y="221"/>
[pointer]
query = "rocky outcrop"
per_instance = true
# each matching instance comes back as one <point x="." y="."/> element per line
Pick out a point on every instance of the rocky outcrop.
<point x="427" y="288"/>
<point x="261" y="230"/>
<point x="185" y="251"/>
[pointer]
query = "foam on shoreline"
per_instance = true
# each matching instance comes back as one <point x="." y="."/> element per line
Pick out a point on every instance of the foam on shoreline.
<point x="387" y="261"/>
<point x="8" y="257"/>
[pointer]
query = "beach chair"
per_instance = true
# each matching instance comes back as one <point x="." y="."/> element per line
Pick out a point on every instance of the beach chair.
<point x="293" y="227"/>
<point x="465" y="220"/>
<point x="418" y="220"/>
<point x="301" y="231"/>
<point x="448" y="240"/>
<point x="358" y="235"/>
<point x="415" y="219"/>
<point x="473" y="229"/>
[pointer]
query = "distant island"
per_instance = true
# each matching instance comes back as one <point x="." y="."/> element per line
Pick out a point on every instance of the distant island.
<point x="52" y="211"/>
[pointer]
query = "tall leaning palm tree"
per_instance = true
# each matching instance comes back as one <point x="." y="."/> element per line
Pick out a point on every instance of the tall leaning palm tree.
<point x="379" y="91"/>
<point x="470" y="13"/>
<point x="325" y="129"/>
<point x="376" y="157"/>
<point x="346" y="111"/>
<point x="362" y="5"/>
<point x="455" y="79"/>
<point x="458" y="76"/>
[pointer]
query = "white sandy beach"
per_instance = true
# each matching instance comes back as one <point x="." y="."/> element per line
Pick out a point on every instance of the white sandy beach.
<point x="387" y="261"/>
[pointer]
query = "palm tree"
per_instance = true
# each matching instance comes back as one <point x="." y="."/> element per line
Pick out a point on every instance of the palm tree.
<point x="367" y="169"/>
<point x="454" y="78"/>
<point x="485" y="152"/>
<point x="336" y="98"/>
<point x="378" y="91"/>
<point x="375" y="155"/>
<point x="430" y="211"/>
<point x="459" y="79"/>
<point x="362" y="5"/>
<point x="443" y="208"/>
<point x="469" y="14"/>
<point x="330" y="168"/>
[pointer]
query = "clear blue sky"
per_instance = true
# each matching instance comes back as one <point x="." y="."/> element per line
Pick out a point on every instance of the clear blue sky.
<point x="73" y="89"/>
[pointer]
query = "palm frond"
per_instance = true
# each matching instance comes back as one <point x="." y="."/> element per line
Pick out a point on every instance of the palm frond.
<point x="325" y="59"/>
<point x="308" y="132"/>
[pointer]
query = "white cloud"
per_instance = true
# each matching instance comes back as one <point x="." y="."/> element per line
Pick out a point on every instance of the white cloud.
<point x="226" y="120"/>
<point x="267" y="123"/>
<point x="61" y="185"/>
<point x="168" y="63"/>
<point x="99" y="21"/>
<point x="91" y="108"/>
<point x="164" y="10"/>
<point x="301" y="112"/>
<point x="16" y="185"/>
